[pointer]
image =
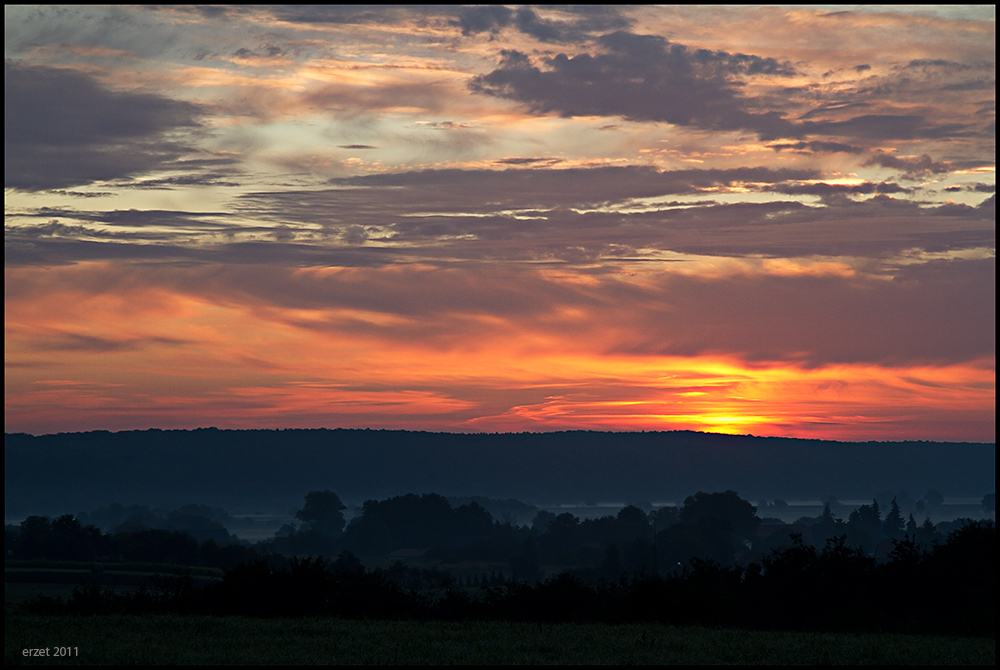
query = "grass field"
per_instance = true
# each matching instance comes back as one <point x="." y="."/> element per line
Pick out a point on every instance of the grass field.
<point x="59" y="578"/>
<point x="199" y="639"/>
<point x="124" y="568"/>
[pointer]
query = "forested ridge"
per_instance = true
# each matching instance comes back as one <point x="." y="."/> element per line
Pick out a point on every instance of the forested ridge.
<point x="250" y="469"/>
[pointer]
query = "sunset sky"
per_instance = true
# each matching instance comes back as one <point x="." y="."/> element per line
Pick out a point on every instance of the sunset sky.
<point x="754" y="220"/>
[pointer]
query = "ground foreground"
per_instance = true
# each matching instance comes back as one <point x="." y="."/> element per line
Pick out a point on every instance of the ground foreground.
<point x="171" y="639"/>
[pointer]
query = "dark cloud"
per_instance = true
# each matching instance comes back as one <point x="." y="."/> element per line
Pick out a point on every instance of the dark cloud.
<point x="357" y="146"/>
<point x="988" y="210"/>
<point x="528" y="161"/>
<point x="647" y="78"/>
<point x="866" y="188"/>
<point x="877" y="127"/>
<point x="20" y="250"/>
<point x="488" y="18"/>
<point x="534" y="214"/>
<point x="592" y="216"/>
<point x="133" y="217"/>
<point x="925" y="63"/>
<point x="826" y="108"/>
<point x="167" y="183"/>
<point x="83" y="194"/>
<point x="529" y="23"/>
<point x="909" y="166"/>
<point x="62" y="129"/>
<point x="817" y="147"/>
<point x="77" y="342"/>
<point x="574" y="23"/>
<point x="54" y="228"/>
<point x="973" y="85"/>
<point x="871" y="126"/>
<point x="581" y="21"/>
<point x="489" y="190"/>
<point x="640" y="77"/>
<point x="879" y="228"/>
<point x="348" y="14"/>
<point x="268" y="52"/>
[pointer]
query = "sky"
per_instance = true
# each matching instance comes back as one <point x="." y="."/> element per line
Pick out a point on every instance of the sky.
<point x="753" y="220"/>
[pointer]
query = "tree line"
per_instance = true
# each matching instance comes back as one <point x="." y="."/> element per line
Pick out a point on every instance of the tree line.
<point x="946" y="589"/>
<point x="721" y="527"/>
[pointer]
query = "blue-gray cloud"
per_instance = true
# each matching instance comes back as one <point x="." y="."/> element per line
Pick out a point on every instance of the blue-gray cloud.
<point x="583" y="21"/>
<point x="648" y="78"/>
<point x="644" y="78"/>
<point x="62" y="129"/>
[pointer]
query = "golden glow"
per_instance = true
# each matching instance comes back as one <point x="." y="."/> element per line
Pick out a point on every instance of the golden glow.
<point x="80" y="353"/>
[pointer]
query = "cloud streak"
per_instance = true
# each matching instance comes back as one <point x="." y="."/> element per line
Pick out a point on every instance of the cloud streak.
<point x="62" y="129"/>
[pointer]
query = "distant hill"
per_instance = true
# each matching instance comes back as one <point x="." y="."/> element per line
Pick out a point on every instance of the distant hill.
<point x="244" y="470"/>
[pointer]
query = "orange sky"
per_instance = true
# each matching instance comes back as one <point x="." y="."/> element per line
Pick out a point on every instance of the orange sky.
<point x="97" y="348"/>
<point x="746" y="220"/>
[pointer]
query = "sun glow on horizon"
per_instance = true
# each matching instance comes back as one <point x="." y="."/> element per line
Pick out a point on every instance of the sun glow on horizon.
<point x="101" y="352"/>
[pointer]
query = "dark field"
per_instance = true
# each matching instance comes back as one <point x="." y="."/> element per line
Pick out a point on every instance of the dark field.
<point x="172" y="640"/>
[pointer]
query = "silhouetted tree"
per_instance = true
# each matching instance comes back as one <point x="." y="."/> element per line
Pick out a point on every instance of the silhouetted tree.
<point x="866" y="514"/>
<point x="864" y="527"/>
<point x="631" y="523"/>
<point x="708" y="539"/>
<point x="347" y="564"/>
<point x="213" y="555"/>
<point x="827" y="526"/>
<point x="611" y="568"/>
<point x="637" y="556"/>
<point x="562" y="537"/>
<point x="893" y="525"/>
<point x="927" y="533"/>
<point x="664" y="517"/>
<point x="541" y="522"/>
<point x="727" y="506"/>
<point x="471" y="520"/>
<point x="525" y="565"/>
<point x="369" y="535"/>
<point x="323" y="512"/>
<point x="156" y="545"/>
<point x="35" y="538"/>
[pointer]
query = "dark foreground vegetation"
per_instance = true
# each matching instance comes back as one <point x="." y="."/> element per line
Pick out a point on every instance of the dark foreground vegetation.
<point x="706" y="582"/>
<point x="948" y="590"/>
<point x="177" y="640"/>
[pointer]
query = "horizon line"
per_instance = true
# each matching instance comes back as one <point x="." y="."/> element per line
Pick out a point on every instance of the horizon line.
<point x="497" y="433"/>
